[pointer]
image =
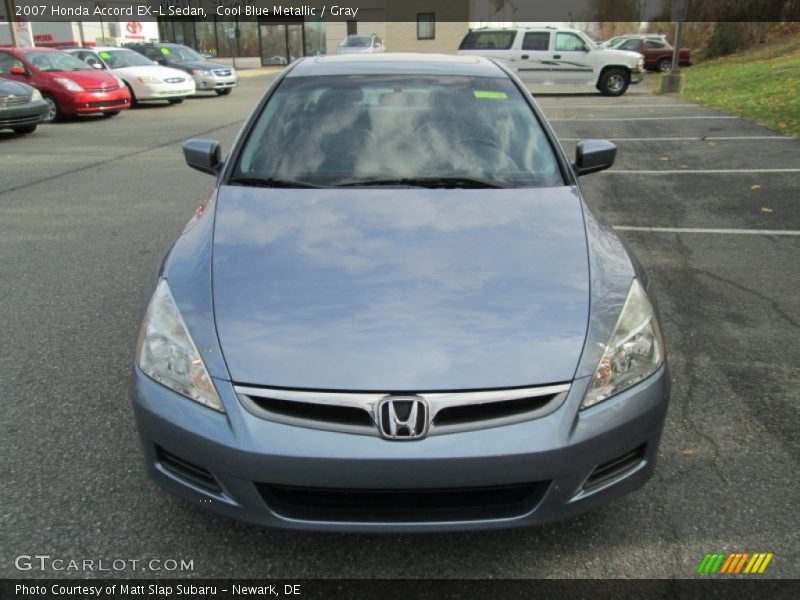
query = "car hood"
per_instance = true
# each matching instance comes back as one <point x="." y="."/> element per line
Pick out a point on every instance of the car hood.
<point x="400" y="289"/>
<point x="88" y="79"/>
<point x="353" y="50"/>
<point x="198" y="64"/>
<point x="151" y="71"/>
<point x="7" y="88"/>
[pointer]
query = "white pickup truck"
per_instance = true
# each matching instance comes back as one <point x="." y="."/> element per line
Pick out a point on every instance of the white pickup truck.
<point x="547" y="55"/>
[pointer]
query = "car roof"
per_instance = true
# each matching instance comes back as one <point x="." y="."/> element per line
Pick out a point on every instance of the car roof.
<point x="396" y="63"/>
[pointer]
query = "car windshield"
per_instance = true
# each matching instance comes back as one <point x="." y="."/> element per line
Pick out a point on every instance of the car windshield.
<point x="181" y="54"/>
<point x="55" y="61"/>
<point x="357" y="41"/>
<point x="119" y="59"/>
<point x="364" y="130"/>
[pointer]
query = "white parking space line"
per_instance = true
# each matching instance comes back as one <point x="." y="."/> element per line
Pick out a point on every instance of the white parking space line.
<point x="625" y="106"/>
<point x="790" y="232"/>
<point x="690" y="139"/>
<point x="701" y="171"/>
<point x="682" y="118"/>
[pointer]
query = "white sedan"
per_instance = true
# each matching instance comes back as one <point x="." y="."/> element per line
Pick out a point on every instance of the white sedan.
<point x="146" y="79"/>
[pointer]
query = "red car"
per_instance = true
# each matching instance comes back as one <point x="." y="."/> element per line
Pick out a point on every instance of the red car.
<point x="657" y="52"/>
<point x="69" y="85"/>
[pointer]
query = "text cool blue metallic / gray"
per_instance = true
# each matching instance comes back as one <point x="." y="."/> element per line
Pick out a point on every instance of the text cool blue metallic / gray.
<point x="396" y="312"/>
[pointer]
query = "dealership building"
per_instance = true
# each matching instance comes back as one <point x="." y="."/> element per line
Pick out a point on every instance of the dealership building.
<point x="267" y="40"/>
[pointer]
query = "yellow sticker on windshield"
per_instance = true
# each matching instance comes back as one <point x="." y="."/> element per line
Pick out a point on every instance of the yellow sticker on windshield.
<point x="105" y="55"/>
<point x="487" y="95"/>
<point x="165" y="51"/>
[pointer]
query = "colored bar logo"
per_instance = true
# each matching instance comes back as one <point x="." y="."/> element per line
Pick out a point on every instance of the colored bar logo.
<point x="735" y="563"/>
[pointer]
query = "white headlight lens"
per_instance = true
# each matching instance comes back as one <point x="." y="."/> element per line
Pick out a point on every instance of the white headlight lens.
<point x="634" y="352"/>
<point x="167" y="353"/>
<point x="36" y="96"/>
<point x="69" y="84"/>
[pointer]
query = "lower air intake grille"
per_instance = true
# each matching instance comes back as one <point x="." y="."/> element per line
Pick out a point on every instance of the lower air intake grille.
<point x="615" y="468"/>
<point x="183" y="469"/>
<point x="371" y="505"/>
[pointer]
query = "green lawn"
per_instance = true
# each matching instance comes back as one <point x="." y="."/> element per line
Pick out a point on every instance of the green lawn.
<point x="761" y="84"/>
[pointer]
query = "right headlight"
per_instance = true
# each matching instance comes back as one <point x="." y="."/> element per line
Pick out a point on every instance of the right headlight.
<point x="36" y="96"/>
<point x="69" y="84"/>
<point x="634" y="352"/>
<point x="202" y="72"/>
<point x="166" y="352"/>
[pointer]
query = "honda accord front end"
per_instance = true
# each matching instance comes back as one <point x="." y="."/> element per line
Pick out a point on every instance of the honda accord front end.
<point x="396" y="312"/>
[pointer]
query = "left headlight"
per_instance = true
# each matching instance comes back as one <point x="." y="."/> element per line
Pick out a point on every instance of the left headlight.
<point x="634" y="352"/>
<point x="165" y="351"/>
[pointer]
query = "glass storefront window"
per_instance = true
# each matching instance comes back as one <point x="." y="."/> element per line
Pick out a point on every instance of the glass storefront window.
<point x="206" y="38"/>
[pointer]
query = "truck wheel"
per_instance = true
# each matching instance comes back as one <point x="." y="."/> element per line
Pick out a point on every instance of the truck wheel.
<point x="614" y="82"/>
<point x="664" y="65"/>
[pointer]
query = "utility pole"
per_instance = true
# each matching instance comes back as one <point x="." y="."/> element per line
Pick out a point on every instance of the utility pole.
<point x="676" y="51"/>
<point x="10" y="18"/>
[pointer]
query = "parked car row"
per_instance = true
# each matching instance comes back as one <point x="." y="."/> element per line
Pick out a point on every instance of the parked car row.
<point x="656" y="50"/>
<point x="44" y="84"/>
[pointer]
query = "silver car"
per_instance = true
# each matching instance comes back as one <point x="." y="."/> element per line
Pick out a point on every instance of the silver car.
<point x="360" y="44"/>
<point x="396" y="312"/>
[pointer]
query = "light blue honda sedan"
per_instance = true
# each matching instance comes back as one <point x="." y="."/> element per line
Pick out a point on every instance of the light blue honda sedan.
<point x="396" y="312"/>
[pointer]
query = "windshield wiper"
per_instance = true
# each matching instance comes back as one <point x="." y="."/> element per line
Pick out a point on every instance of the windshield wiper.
<point x="271" y="182"/>
<point x="430" y="182"/>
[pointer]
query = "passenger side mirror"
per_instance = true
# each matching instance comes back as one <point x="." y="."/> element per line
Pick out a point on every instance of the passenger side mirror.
<point x="592" y="156"/>
<point x="203" y="155"/>
<point x="17" y="70"/>
<point x="97" y="65"/>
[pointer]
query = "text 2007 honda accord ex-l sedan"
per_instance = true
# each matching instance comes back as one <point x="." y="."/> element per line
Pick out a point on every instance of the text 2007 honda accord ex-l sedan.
<point x="396" y="312"/>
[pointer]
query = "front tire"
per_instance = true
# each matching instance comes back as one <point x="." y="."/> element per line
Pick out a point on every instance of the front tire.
<point x="134" y="101"/>
<point x="224" y="92"/>
<point x="54" y="113"/>
<point x="664" y="65"/>
<point x="614" y="82"/>
<point x="25" y="129"/>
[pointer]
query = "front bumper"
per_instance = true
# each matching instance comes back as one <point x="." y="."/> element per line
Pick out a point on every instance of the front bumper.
<point x="165" y="91"/>
<point x="637" y="76"/>
<point x="94" y="102"/>
<point x="208" y="83"/>
<point x="245" y="459"/>
<point x="31" y="113"/>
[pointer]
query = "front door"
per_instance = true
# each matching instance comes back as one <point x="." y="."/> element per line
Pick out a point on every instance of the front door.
<point x="573" y="59"/>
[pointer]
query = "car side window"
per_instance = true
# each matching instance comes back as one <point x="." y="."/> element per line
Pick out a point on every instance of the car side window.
<point x="569" y="42"/>
<point x="488" y="40"/>
<point x="7" y="61"/>
<point x="536" y="40"/>
<point x="89" y="58"/>
<point x="631" y="45"/>
<point x="655" y="44"/>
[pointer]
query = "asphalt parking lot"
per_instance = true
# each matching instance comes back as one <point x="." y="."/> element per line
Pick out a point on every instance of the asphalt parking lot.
<point x="708" y="203"/>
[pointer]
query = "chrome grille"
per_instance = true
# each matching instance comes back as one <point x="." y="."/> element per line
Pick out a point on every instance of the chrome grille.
<point x="221" y="72"/>
<point x="174" y="80"/>
<point x="357" y="412"/>
<point x="13" y="100"/>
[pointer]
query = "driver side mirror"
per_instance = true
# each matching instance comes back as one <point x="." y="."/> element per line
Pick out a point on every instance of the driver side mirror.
<point x="203" y="155"/>
<point x="97" y="65"/>
<point x="592" y="156"/>
<point x="17" y="70"/>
